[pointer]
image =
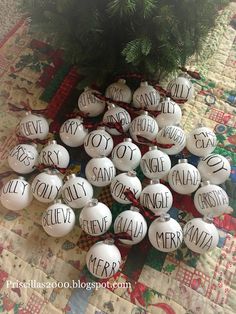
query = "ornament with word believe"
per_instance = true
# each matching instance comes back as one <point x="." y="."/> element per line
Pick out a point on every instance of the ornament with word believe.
<point x="98" y="143"/>
<point x="95" y="218"/>
<point x="58" y="219"/>
<point x="54" y="154"/>
<point x="23" y="158"/>
<point x="16" y="194"/>
<point x="89" y="104"/>
<point x="165" y="234"/>
<point x="169" y="113"/>
<point x="172" y="139"/>
<point x="200" y="235"/>
<point x="116" y="114"/>
<point x="34" y="126"/>
<point x="146" y="97"/>
<point x="119" y="91"/>
<point x="180" y="88"/>
<point x="72" y="132"/>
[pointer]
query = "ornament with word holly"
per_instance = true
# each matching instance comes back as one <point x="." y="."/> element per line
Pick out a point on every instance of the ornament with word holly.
<point x="180" y="89"/>
<point x="169" y="113"/>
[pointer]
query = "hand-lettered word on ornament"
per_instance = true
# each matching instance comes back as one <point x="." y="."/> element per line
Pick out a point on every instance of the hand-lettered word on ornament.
<point x="57" y="216"/>
<point x="45" y="190"/>
<point x="95" y="226"/>
<point x="101" y="267"/>
<point x="14" y="186"/>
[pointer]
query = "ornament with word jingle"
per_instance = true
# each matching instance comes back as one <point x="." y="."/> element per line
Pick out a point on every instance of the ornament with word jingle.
<point x="133" y="223"/>
<point x="34" y="126"/>
<point x="72" y="132"/>
<point x="156" y="197"/>
<point x="201" y="141"/>
<point x="89" y="104"/>
<point x="117" y="114"/>
<point x="215" y="168"/>
<point x="155" y="164"/>
<point x="184" y="178"/>
<point x="169" y="113"/>
<point x="122" y="182"/>
<point x="23" y="158"/>
<point x="16" y="194"/>
<point x="95" y="218"/>
<point x="100" y="171"/>
<point x="146" y="97"/>
<point x="58" y="220"/>
<point x="119" y="91"/>
<point x="180" y="88"/>
<point x="46" y="186"/>
<point x="200" y="235"/>
<point x="165" y="234"/>
<point x="98" y="143"/>
<point x="76" y="191"/>
<point x="103" y="259"/>
<point x="171" y="139"/>
<point x="126" y="155"/>
<point x="144" y="126"/>
<point x="54" y="154"/>
<point x="211" y="200"/>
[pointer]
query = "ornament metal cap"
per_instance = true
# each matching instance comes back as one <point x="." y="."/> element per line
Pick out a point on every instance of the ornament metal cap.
<point x="70" y="176"/>
<point x="33" y="144"/>
<point x="21" y="178"/>
<point x="164" y="217"/>
<point x="127" y="139"/>
<point x="154" y="181"/>
<point x="101" y="128"/>
<point x="183" y="161"/>
<point x="144" y="112"/>
<point x="92" y="202"/>
<point x="87" y="88"/>
<point x="122" y="81"/>
<point x="51" y="142"/>
<point x="208" y="219"/>
<point x="204" y="183"/>
<point x="27" y="113"/>
<point x="134" y="209"/>
<point x="57" y="201"/>
<point x="145" y="83"/>
<point x="131" y="173"/>
<point x="111" y="106"/>
<point x="153" y="147"/>
<point x="109" y="241"/>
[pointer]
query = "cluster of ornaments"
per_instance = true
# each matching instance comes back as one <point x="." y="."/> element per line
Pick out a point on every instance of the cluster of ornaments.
<point x="114" y="165"/>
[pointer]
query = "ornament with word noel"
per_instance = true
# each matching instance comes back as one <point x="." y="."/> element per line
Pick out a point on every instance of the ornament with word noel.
<point x="117" y="114"/>
<point x="72" y="132"/>
<point x="146" y="97"/>
<point x="33" y="127"/>
<point x="54" y="154"/>
<point x="89" y="104"/>
<point x="180" y="89"/>
<point x="119" y="91"/>
<point x="171" y="139"/>
<point x="169" y="113"/>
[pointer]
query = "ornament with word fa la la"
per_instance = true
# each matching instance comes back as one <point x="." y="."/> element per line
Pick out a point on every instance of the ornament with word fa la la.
<point x="126" y="155"/>
<point x="54" y="154"/>
<point x="180" y="88"/>
<point x="117" y="114"/>
<point x="211" y="200"/>
<point x="34" y="126"/>
<point x="119" y="91"/>
<point x="89" y="104"/>
<point x="58" y="220"/>
<point x="23" y="158"/>
<point x="122" y="182"/>
<point x="156" y="197"/>
<point x="165" y="234"/>
<point x="146" y="97"/>
<point x="72" y="132"/>
<point x="201" y="141"/>
<point x="169" y="113"/>
<point x="95" y="218"/>
<point x="103" y="259"/>
<point x="16" y="194"/>
<point x="184" y="178"/>
<point x="100" y="171"/>
<point x="215" y="168"/>
<point x="133" y="223"/>
<point x="200" y="235"/>
<point x="171" y="139"/>
<point x="46" y="186"/>
<point x="98" y="143"/>
<point x="155" y="164"/>
<point x="76" y="191"/>
<point x="144" y="126"/>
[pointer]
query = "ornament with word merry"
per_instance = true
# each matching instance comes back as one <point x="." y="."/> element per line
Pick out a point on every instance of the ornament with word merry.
<point x="16" y="194"/>
<point x="169" y="113"/>
<point x="89" y="104"/>
<point x="200" y="235"/>
<point x="146" y="97"/>
<point x="119" y="91"/>
<point x="165" y="234"/>
<point x="58" y="220"/>
<point x="181" y="89"/>
<point x="171" y="139"/>
<point x="116" y="114"/>
<point x="54" y="154"/>
<point x="72" y="132"/>
<point x="33" y="127"/>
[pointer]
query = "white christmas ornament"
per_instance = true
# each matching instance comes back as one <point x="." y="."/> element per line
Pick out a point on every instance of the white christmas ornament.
<point x="46" y="186"/>
<point x="76" y="191"/>
<point x="100" y="171"/>
<point x="122" y="182"/>
<point x="54" y="154"/>
<point x="170" y="113"/>
<point x="34" y="126"/>
<point x="171" y="139"/>
<point x="72" y="132"/>
<point x="119" y="91"/>
<point x="16" y="194"/>
<point x="117" y="114"/>
<point x="58" y="220"/>
<point x="103" y="259"/>
<point x="200" y="235"/>
<point x="184" y="178"/>
<point x="98" y="143"/>
<point x="95" y="218"/>
<point x="23" y="158"/>
<point x="215" y="168"/>
<point x="126" y="155"/>
<point x="146" y="97"/>
<point x="155" y="164"/>
<point x="201" y="141"/>
<point x="180" y="89"/>
<point x="89" y="104"/>
<point x="133" y="223"/>
<point x="211" y="200"/>
<point x="165" y="234"/>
